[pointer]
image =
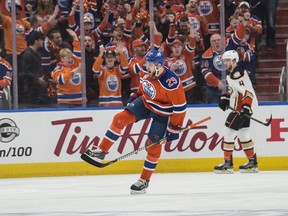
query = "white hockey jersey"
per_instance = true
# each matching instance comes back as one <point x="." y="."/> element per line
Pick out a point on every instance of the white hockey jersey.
<point x="241" y="90"/>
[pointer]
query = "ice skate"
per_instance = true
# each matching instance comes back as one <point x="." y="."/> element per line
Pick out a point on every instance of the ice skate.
<point x="225" y="168"/>
<point x="251" y="166"/>
<point x="139" y="187"/>
<point x="96" y="154"/>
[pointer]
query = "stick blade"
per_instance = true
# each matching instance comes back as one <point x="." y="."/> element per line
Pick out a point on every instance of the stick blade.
<point x="269" y="122"/>
<point x="89" y="160"/>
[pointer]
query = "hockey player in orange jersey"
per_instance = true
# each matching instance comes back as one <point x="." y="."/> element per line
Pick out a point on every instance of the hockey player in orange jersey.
<point x="241" y="97"/>
<point x="161" y="97"/>
<point x="67" y="75"/>
<point x="109" y="76"/>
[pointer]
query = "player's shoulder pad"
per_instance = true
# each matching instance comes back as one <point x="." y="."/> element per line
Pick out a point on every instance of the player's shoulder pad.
<point x="237" y="73"/>
<point x="169" y="80"/>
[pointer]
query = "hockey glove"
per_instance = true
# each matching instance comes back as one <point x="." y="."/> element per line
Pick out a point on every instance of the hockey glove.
<point x="173" y="133"/>
<point x="224" y="102"/>
<point x="245" y="111"/>
<point x="132" y="97"/>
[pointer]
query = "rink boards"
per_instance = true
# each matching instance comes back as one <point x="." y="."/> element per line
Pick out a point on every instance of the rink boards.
<point x="49" y="142"/>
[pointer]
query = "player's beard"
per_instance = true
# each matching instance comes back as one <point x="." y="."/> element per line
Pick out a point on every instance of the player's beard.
<point x="152" y="74"/>
<point x="156" y="73"/>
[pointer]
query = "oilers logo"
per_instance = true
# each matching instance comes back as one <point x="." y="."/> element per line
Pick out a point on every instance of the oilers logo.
<point x="196" y="23"/>
<point x="217" y="63"/>
<point x="205" y="7"/>
<point x="180" y="66"/>
<point x="91" y="17"/>
<point x="76" y="80"/>
<point x="112" y="83"/>
<point x="149" y="89"/>
<point x="20" y="29"/>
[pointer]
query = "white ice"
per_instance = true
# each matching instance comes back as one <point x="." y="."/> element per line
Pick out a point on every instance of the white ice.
<point x="176" y="194"/>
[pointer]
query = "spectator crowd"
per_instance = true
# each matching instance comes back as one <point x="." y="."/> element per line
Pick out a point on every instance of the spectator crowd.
<point x="117" y="38"/>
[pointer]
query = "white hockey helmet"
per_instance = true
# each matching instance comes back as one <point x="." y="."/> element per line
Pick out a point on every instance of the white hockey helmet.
<point x="231" y="54"/>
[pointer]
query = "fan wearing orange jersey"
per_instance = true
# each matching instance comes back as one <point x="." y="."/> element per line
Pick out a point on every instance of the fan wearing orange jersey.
<point x="67" y="75"/>
<point x="209" y="9"/>
<point x="181" y="60"/>
<point x="22" y="26"/>
<point x="5" y="7"/>
<point x="109" y="75"/>
<point x="160" y="97"/>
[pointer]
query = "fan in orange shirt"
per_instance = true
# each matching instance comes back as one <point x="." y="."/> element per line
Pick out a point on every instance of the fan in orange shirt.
<point x="67" y="75"/>
<point x="109" y="75"/>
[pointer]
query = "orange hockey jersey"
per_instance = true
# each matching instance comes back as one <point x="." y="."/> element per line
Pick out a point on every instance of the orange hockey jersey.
<point x="209" y="9"/>
<point x="69" y="86"/>
<point x="110" y="81"/>
<point x="164" y="96"/>
<point x="183" y="62"/>
<point x="21" y="27"/>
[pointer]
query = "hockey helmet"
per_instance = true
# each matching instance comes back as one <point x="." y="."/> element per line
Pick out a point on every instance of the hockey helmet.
<point x="231" y="54"/>
<point x="155" y="56"/>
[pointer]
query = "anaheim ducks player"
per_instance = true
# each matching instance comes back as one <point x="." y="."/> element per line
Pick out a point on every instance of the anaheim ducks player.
<point x="160" y="96"/>
<point x="240" y="96"/>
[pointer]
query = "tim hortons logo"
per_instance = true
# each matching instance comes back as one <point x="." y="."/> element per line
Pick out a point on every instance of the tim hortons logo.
<point x="74" y="126"/>
<point x="199" y="140"/>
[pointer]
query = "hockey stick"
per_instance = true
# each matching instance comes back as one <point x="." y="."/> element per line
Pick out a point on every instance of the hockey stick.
<point x="248" y="116"/>
<point x="89" y="160"/>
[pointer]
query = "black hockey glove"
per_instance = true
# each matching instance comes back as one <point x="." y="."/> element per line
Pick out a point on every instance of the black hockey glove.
<point x="224" y="102"/>
<point x="132" y="97"/>
<point x="245" y="111"/>
<point x="172" y="133"/>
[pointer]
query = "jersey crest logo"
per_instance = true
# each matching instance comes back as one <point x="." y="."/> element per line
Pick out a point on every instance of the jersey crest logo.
<point x="76" y="80"/>
<point x="149" y="89"/>
<point x="196" y="23"/>
<point x="20" y="29"/>
<point x="180" y="66"/>
<point x="205" y="7"/>
<point x="112" y="83"/>
<point x="91" y="17"/>
<point x="217" y="62"/>
<point x="236" y="75"/>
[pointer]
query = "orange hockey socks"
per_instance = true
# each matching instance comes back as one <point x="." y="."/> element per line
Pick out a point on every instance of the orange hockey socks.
<point x="248" y="148"/>
<point x="228" y="150"/>
<point x="120" y="120"/>
<point x="151" y="161"/>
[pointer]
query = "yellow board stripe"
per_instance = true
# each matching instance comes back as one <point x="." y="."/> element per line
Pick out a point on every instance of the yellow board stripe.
<point x="131" y="166"/>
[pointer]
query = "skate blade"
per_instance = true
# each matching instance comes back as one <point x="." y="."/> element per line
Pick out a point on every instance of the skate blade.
<point x="228" y="171"/>
<point x="251" y="170"/>
<point x="135" y="192"/>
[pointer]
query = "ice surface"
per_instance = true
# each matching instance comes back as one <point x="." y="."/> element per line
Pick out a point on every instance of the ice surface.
<point x="177" y="194"/>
